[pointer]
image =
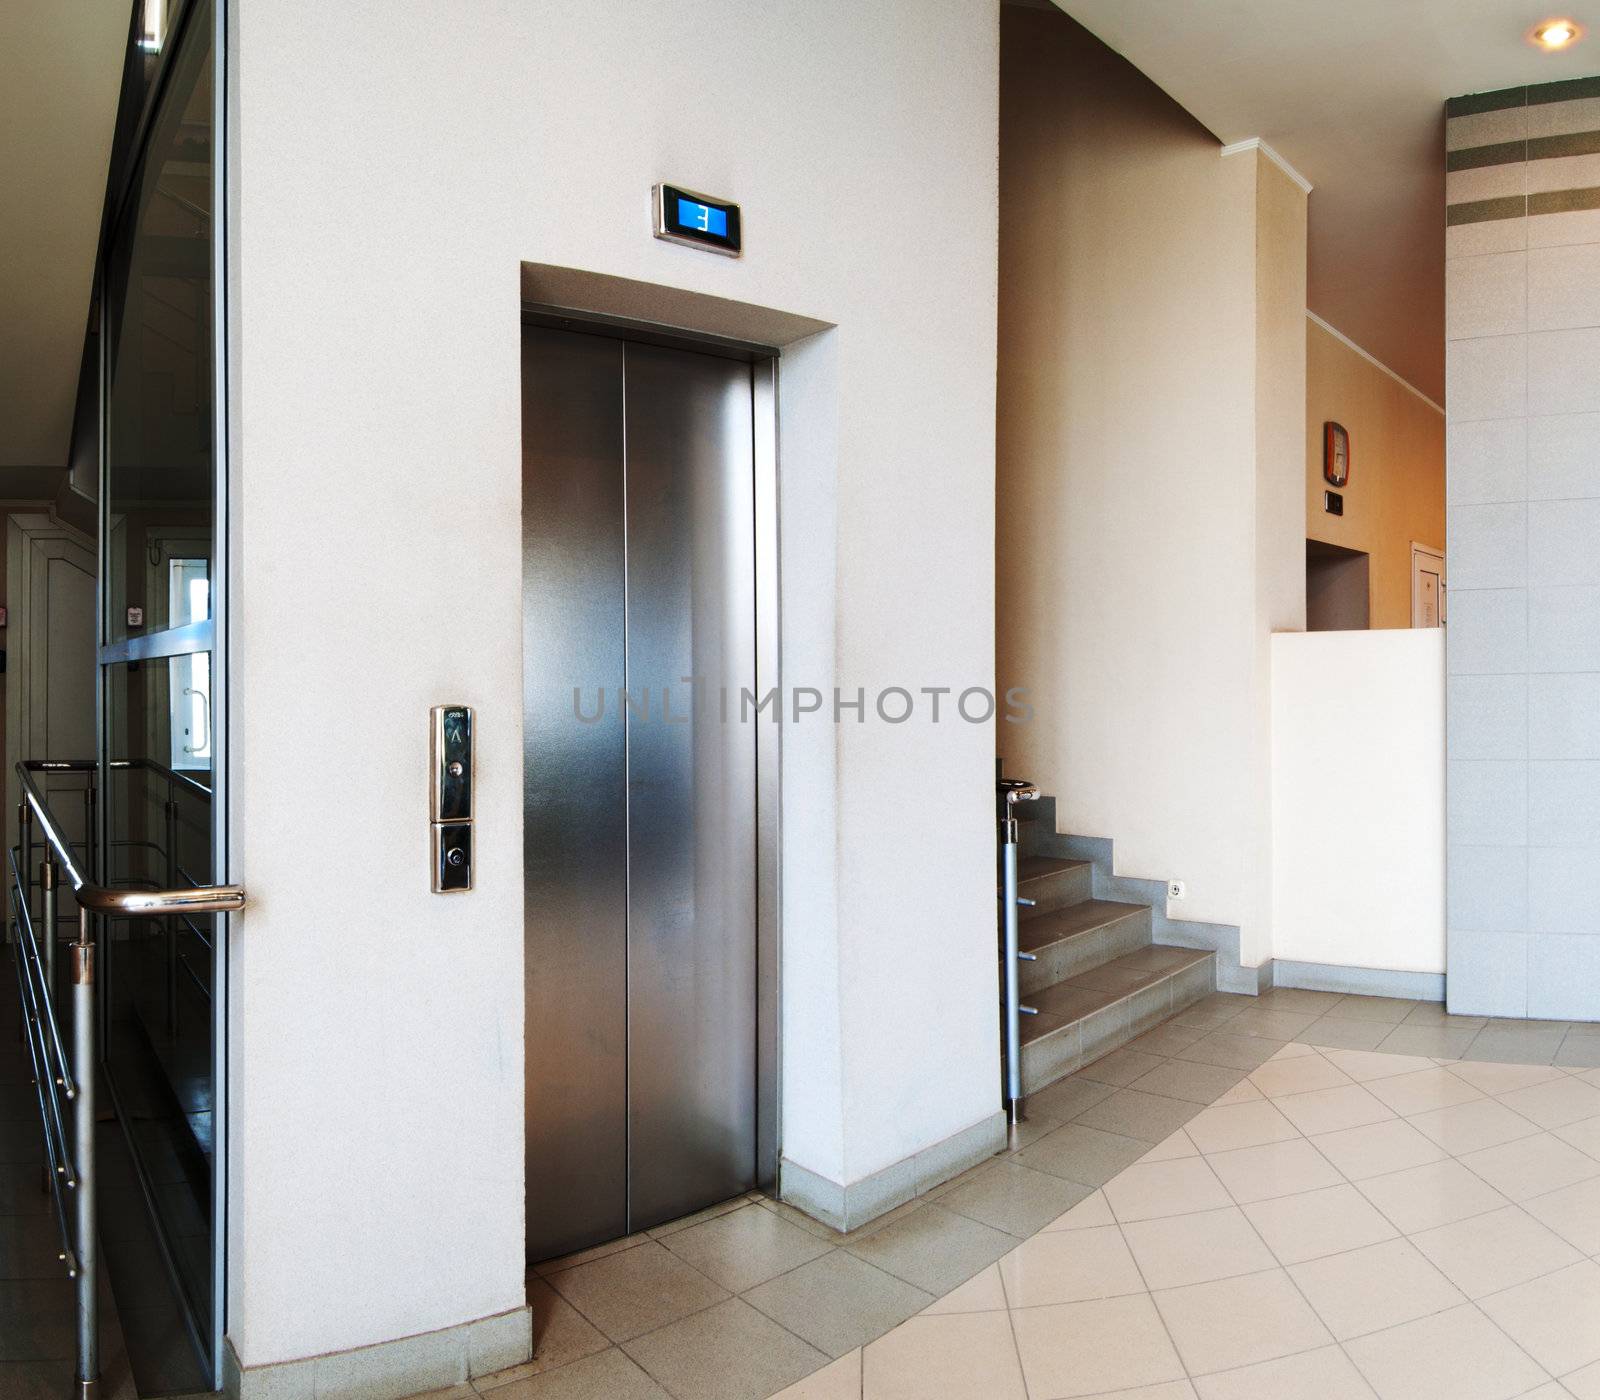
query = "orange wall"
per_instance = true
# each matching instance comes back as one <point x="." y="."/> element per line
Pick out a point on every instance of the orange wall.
<point x="1396" y="490"/>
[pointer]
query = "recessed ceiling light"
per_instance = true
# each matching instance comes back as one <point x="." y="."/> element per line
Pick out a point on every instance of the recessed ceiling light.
<point x="1556" y="33"/>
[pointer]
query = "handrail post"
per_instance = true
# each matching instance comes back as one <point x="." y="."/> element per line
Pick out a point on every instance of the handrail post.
<point x="88" y="827"/>
<point x="25" y="840"/>
<point x="83" y="1068"/>
<point x="1011" y="792"/>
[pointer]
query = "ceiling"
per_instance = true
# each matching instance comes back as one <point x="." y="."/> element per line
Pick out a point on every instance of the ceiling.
<point x="60" y="77"/>
<point x="1350" y="92"/>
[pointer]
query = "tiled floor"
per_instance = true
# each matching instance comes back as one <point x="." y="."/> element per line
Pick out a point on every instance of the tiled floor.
<point x="1289" y="1197"/>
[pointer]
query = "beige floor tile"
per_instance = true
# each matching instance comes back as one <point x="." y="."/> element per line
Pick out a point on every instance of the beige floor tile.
<point x="1455" y="1355"/>
<point x="1392" y="1010"/>
<point x="1081" y="1154"/>
<point x="963" y="1356"/>
<point x="1556" y="1102"/>
<point x="1168" y="1390"/>
<point x="1502" y="1079"/>
<point x="1583" y="1384"/>
<point x="838" y="1380"/>
<point x="1365" y="1066"/>
<point x="607" y="1375"/>
<point x="1273" y="1169"/>
<point x="1239" y="1125"/>
<point x="1081" y="1349"/>
<point x="727" y="1352"/>
<point x="1165" y="1188"/>
<point x="1328" y="1110"/>
<point x="709" y="1213"/>
<point x="1555" y="1319"/>
<point x="1532" y="1166"/>
<point x="1369" y="1289"/>
<point x="1499" y="1250"/>
<point x="1324" y="1374"/>
<point x="1069" y="1266"/>
<point x="1136" y="1114"/>
<point x="583" y="1256"/>
<point x="1178" y="1145"/>
<point x="1376" y="1148"/>
<point x="628" y="1294"/>
<point x="934" y="1249"/>
<point x="1089" y="1212"/>
<point x="1188" y="1079"/>
<point x="1572" y="1212"/>
<point x="1423" y="1091"/>
<point x="983" y="1292"/>
<point x="838" y="1302"/>
<point x="1178" y="1250"/>
<point x="1300" y="1075"/>
<point x="1585" y="1136"/>
<point x="1009" y="1196"/>
<point x="1239" y="1321"/>
<point x="744" y="1247"/>
<point x="1550" y="1390"/>
<point x="1470" y="1127"/>
<point x="1316" y="1223"/>
<point x="1433" y="1194"/>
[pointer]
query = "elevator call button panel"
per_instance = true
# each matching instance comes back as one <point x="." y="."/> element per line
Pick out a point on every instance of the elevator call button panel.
<point x="450" y="804"/>
<point x="697" y="220"/>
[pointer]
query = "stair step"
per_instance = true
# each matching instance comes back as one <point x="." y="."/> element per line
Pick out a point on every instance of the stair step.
<point x="1089" y="1015"/>
<point x="1075" y="939"/>
<point x="1052" y="884"/>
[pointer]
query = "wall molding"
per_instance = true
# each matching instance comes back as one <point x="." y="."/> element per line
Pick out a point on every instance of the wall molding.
<point x="1358" y="981"/>
<point x="1255" y="143"/>
<point x="389" y="1370"/>
<point x="845" y="1207"/>
<point x="1372" y="359"/>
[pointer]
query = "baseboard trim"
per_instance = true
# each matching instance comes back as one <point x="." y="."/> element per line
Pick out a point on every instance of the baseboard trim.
<point x="389" y="1370"/>
<point x="846" y="1207"/>
<point x="1358" y="981"/>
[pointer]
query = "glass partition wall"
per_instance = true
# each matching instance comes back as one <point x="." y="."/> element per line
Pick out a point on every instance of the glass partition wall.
<point x="161" y="814"/>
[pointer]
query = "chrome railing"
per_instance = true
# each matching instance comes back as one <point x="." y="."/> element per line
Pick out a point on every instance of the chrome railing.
<point x="67" y="1077"/>
<point x="1010" y="792"/>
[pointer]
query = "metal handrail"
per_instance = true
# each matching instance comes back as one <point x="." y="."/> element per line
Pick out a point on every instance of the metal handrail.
<point x="73" y="1167"/>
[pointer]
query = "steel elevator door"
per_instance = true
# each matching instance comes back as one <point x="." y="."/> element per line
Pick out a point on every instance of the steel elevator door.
<point x="639" y="788"/>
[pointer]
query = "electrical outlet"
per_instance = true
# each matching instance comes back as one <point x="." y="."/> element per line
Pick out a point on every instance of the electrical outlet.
<point x="1175" y="889"/>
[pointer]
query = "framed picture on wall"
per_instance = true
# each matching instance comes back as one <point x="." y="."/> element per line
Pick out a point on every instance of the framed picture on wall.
<point x="1335" y="454"/>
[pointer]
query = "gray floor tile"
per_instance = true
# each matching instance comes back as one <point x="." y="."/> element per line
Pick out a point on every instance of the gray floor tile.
<point x="1427" y="1040"/>
<point x="1515" y="1047"/>
<point x="36" y="1319"/>
<point x="561" y="1334"/>
<point x="1067" y="1098"/>
<point x="29" y="1246"/>
<point x="728" y="1352"/>
<point x="1084" y="1155"/>
<point x="1579" y="1051"/>
<point x="1013" y="1198"/>
<point x="35" y="1380"/>
<point x="1246" y="1052"/>
<point x="1135" y="1114"/>
<point x="1275" y="1025"/>
<point x="607" y="1375"/>
<point x="935" y="1249"/>
<point x="838" y="1302"/>
<point x="1392" y="1010"/>
<point x="1193" y="1080"/>
<point x="1338" y="1034"/>
<point x="1214" y="1010"/>
<point x="628" y="1294"/>
<point x="1119" y="1067"/>
<point x="1167" y="1039"/>
<point x="1298" y="999"/>
<point x="745" y="1247"/>
<point x="1433" y="1013"/>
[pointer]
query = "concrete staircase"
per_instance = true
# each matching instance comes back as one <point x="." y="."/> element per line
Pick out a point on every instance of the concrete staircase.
<point x="1099" y="979"/>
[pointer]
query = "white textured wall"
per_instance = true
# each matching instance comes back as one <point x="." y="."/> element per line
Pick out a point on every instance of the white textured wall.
<point x="1358" y="798"/>
<point x="396" y="164"/>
